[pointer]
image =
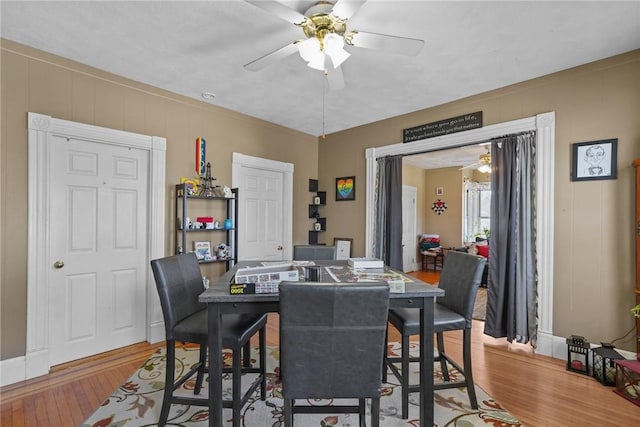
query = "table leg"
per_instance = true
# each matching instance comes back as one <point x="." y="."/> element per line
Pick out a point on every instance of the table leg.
<point x="426" y="362"/>
<point x="215" y="365"/>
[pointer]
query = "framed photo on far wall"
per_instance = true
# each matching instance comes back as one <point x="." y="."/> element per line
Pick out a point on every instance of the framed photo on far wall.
<point x="594" y="160"/>
<point x="345" y="188"/>
<point x="343" y="247"/>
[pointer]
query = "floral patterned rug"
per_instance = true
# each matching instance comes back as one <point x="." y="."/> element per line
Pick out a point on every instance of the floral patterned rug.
<point x="137" y="402"/>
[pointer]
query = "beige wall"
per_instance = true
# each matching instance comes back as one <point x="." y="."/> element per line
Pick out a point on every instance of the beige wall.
<point x="42" y="83"/>
<point x="449" y="223"/>
<point x="594" y="239"/>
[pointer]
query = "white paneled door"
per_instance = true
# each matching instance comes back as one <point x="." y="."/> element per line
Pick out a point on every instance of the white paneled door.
<point x="99" y="231"/>
<point x="261" y="214"/>
<point x="409" y="238"/>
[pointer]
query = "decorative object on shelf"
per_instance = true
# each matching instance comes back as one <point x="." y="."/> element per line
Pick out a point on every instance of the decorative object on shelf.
<point x="191" y="185"/>
<point x="439" y="191"/>
<point x="205" y="222"/>
<point x="203" y="250"/>
<point x="628" y="380"/>
<point x="578" y="354"/>
<point x="207" y="189"/>
<point x="316" y="200"/>
<point x="228" y="224"/>
<point x="223" y="251"/>
<point x="595" y="160"/>
<point x="317" y="226"/>
<point x="201" y="149"/>
<point x="439" y="206"/>
<point x="345" y="188"/>
<point x="343" y="247"/>
<point x="604" y="367"/>
<point x="226" y="191"/>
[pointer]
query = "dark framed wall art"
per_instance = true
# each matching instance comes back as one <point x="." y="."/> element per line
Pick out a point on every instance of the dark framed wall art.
<point x="345" y="188"/>
<point x="594" y="160"/>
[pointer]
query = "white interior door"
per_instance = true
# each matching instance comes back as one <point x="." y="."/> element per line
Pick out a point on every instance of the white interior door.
<point x="265" y="206"/>
<point x="98" y="220"/>
<point x="409" y="239"/>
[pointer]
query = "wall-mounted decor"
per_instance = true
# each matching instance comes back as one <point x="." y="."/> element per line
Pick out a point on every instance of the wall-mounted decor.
<point x="439" y="191"/>
<point x="345" y="188"/>
<point x="443" y="127"/>
<point x="595" y="160"/>
<point x="343" y="247"/>
<point x="439" y="206"/>
<point x="201" y="155"/>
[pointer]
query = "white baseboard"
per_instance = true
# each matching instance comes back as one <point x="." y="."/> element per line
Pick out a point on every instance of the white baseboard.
<point x="12" y="370"/>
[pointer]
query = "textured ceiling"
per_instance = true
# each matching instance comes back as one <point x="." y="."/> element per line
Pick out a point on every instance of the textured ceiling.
<point x="194" y="47"/>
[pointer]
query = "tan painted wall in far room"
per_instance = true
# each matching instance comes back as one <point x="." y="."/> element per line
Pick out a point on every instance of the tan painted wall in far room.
<point x="594" y="259"/>
<point x="46" y="84"/>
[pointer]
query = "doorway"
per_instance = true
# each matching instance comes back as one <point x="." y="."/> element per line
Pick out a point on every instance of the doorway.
<point x="265" y="218"/>
<point x="544" y="125"/>
<point x="43" y="261"/>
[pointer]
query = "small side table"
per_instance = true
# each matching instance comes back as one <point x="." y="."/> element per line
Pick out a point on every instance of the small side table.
<point x="436" y="257"/>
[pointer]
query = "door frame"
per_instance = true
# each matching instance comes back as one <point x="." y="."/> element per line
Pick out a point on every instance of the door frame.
<point x="544" y="125"/>
<point x="238" y="161"/>
<point x="37" y="360"/>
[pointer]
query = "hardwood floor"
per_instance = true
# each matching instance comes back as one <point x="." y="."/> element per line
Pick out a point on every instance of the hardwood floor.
<point x="535" y="389"/>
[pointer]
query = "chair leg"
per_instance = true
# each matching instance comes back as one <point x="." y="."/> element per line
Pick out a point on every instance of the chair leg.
<point x="362" y="412"/>
<point x="384" y="355"/>
<point x="288" y="412"/>
<point x="404" y="378"/>
<point x="201" y="369"/>
<point x="168" y="382"/>
<point x="375" y="412"/>
<point x="263" y="362"/>
<point x="443" y="360"/>
<point x="468" y="374"/>
<point x="246" y="355"/>
<point x="236" y="386"/>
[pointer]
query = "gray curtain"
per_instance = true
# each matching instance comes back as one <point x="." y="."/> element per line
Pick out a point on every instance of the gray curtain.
<point x="387" y="235"/>
<point x="512" y="288"/>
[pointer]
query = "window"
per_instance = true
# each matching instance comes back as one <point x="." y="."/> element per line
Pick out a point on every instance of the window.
<point x="477" y="210"/>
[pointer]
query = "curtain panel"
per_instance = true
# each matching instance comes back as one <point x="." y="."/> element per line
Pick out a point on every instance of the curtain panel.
<point x="387" y="239"/>
<point x="512" y="290"/>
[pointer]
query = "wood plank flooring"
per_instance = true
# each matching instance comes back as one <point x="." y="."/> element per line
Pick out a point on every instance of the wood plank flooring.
<point x="535" y="389"/>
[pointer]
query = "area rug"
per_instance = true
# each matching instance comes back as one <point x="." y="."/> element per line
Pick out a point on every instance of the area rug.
<point x="137" y="402"/>
<point x="480" y="306"/>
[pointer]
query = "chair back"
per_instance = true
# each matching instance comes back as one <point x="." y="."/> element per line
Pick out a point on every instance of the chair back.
<point x="460" y="278"/>
<point x="332" y="338"/>
<point x="179" y="283"/>
<point x="314" y="252"/>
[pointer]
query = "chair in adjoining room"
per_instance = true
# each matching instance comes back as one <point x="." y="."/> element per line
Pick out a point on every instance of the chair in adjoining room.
<point x="332" y="341"/>
<point x="460" y="279"/>
<point x="179" y="283"/>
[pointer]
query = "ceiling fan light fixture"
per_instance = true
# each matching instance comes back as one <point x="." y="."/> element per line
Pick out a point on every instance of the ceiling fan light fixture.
<point x="334" y="47"/>
<point x="317" y="62"/>
<point x="309" y="49"/>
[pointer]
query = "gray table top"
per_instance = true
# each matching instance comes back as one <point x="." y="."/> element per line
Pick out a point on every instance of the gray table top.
<point x="218" y="291"/>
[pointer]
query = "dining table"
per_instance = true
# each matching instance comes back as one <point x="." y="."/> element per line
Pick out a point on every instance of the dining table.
<point x="220" y="301"/>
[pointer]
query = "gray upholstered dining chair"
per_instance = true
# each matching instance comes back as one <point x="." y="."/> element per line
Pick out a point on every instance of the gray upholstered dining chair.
<point x="179" y="283"/>
<point x="332" y="338"/>
<point x="460" y="279"/>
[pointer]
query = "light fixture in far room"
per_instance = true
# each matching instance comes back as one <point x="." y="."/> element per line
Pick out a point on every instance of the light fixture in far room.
<point x="485" y="163"/>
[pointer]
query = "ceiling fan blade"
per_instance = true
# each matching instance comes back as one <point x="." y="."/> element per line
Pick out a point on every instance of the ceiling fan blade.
<point x="403" y="45"/>
<point x="280" y="10"/>
<point x="345" y="9"/>
<point x="271" y="57"/>
<point x="335" y="78"/>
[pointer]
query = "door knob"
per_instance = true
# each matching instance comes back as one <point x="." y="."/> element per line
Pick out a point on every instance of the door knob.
<point x="58" y="264"/>
<point x="279" y="248"/>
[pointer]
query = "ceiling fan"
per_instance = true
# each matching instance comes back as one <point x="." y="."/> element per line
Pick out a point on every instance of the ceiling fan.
<point x="324" y="26"/>
<point x="483" y="164"/>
